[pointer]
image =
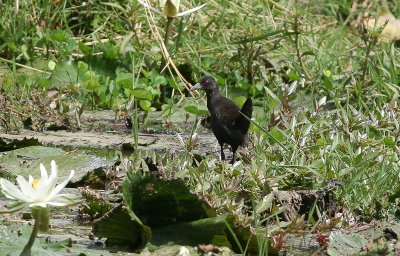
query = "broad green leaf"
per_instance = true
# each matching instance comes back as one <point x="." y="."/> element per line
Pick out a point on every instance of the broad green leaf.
<point x="151" y="196"/>
<point x="121" y="227"/>
<point x="142" y="94"/>
<point x="196" y="109"/>
<point x="145" y="105"/>
<point x="345" y="244"/>
<point x="25" y="161"/>
<point x="159" y="80"/>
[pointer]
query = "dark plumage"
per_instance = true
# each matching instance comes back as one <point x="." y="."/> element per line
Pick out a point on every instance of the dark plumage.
<point x="226" y="122"/>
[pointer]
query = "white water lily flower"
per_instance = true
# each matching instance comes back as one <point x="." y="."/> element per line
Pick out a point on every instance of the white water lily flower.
<point x="38" y="192"/>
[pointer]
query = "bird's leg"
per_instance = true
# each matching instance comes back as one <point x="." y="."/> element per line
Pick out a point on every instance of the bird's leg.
<point x="222" y="152"/>
<point x="233" y="156"/>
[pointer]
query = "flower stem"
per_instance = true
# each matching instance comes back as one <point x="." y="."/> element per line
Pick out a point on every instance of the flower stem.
<point x="27" y="249"/>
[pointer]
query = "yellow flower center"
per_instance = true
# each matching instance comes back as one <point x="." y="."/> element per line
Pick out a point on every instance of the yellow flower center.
<point x="35" y="183"/>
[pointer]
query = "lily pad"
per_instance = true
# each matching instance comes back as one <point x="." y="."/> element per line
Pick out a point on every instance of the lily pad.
<point x="25" y="162"/>
<point x="122" y="228"/>
<point x="160" y="202"/>
<point x="160" y="212"/>
<point x="14" y="144"/>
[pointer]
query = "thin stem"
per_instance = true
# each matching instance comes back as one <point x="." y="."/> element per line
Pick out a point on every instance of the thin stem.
<point x="27" y="249"/>
<point x="297" y="45"/>
<point x="163" y="60"/>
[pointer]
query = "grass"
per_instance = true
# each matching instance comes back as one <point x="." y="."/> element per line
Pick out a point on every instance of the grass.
<point x="287" y="55"/>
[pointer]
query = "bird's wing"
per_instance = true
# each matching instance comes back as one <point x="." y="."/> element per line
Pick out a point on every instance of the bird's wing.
<point x="226" y="112"/>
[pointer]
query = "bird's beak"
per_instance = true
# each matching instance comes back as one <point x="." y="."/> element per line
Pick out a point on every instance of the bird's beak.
<point x="196" y="87"/>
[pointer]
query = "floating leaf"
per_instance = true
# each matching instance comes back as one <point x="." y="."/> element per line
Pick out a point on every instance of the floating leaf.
<point x="162" y="202"/>
<point x="345" y="244"/>
<point x="121" y="227"/>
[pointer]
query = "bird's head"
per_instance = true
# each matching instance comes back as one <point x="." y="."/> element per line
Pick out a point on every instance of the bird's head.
<point x="206" y="83"/>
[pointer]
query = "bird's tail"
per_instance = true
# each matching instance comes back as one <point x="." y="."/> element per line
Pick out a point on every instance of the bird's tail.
<point x="243" y="123"/>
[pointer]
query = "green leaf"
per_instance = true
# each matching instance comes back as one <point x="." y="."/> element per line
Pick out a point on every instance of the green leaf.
<point x="343" y="244"/>
<point x="115" y="5"/>
<point x="12" y="243"/>
<point x="159" y="80"/>
<point x="328" y="84"/>
<point x="83" y="67"/>
<point x="51" y="65"/>
<point x="142" y="94"/>
<point x="60" y="36"/>
<point x="294" y="76"/>
<point x="82" y="163"/>
<point x="389" y="142"/>
<point x="125" y="44"/>
<point x="174" y="215"/>
<point x="66" y="73"/>
<point x="24" y="50"/>
<point x="327" y="73"/>
<point x="278" y="134"/>
<point x="240" y="100"/>
<point x="86" y="50"/>
<point x="374" y="133"/>
<point x="121" y="227"/>
<point x="196" y="109"/>
<point x="145" y="105"/>
<point x="124" y="80"/>
<point x="110" y="51"/>
<point x="151" y="196"/>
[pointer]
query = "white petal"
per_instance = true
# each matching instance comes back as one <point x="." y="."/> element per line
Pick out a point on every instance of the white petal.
<point x="25" y="187"/>
<point x="60" y="186"/>
<point x="322" y="101"/>
<point x="41" y="204"/>
<point x="11" y="191"/>
<point x="43" y="173"/>
<point x="45" y="189"/>
<point x="53" y="168"/>
<point x="185" y="13"/>
<point x="30" y="180"/>
<point x="53" y="174"/>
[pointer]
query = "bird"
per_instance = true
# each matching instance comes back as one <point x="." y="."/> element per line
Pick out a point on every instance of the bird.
<point x="229" y="123"/>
